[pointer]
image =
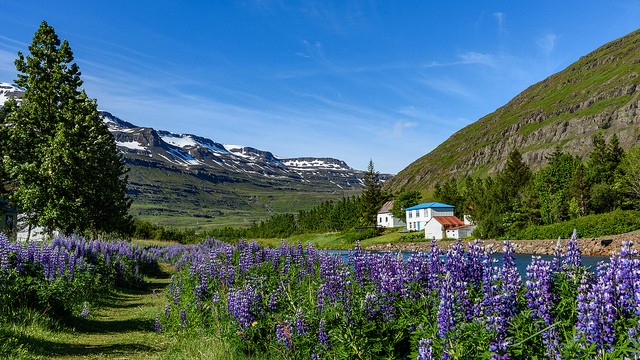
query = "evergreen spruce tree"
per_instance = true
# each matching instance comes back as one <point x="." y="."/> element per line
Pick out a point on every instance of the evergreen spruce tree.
<point x="60" y="158"/>
<point x="372" y="197"/>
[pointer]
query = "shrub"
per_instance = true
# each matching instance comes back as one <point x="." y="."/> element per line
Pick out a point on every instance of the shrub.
<point x="612" y="223"/>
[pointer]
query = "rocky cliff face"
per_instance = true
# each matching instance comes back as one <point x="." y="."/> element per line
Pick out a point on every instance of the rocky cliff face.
<point x="599" y="93"/>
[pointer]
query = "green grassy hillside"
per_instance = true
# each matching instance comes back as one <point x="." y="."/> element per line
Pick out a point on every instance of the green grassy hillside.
<point x="172" y="196"/>
<point x="597" y="93"/>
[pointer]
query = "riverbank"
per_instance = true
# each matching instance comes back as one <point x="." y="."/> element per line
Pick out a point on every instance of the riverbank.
<point x="589" y="246"/>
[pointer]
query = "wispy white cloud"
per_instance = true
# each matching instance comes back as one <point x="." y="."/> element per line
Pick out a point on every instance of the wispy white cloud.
<point x="473" y="57"/>
<point x="449" y="86"/>
<point x="402" y="125"/>
<point x="547" y="42"/>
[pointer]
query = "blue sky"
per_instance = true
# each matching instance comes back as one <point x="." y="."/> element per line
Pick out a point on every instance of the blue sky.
<point x="353" y="80"/>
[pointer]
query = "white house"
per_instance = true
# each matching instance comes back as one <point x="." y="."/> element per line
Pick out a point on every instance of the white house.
<point x="386" y="218"/>
<point x="33" y="233"/>
<point x="451" y="227"/>
<point x="417" y="216"/>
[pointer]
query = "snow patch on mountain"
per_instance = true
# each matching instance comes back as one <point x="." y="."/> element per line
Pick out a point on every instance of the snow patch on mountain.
<point x="187" y="140"/>
<point x="9" y="91"/>
<point x="133" y="145"/>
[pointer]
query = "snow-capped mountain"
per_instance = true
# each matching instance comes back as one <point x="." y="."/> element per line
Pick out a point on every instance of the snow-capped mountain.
<point x="197" y="153"/>
<point x="9" y="91"/>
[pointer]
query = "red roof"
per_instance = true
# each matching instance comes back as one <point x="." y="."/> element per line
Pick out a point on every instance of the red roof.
<point x="449" y="221"/>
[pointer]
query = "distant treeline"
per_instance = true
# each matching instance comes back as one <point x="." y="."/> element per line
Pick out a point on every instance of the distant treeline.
<point x="328" y="216"/>
<point x="516" y="201"/>
<point x="146" y="230"/>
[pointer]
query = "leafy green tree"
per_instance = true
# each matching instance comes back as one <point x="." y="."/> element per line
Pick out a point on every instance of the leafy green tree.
<point x="629" y="182"/>
<point x="553" y="185"/>
<point x="372" y="197"/>
<point x="60" y="158"/>
<point x="579" y="192"/>
<point x="404" y="200"/>
<point x="448" y="193"/>
<point x="484" y="207"/>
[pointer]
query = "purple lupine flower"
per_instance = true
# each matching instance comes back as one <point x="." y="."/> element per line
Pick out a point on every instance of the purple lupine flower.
<point x="511" y="281"/>
<point x="573" y="258"/>
<point x="446" y="309"/>
<point x="283" y="334"/>
<point x="197" y="295"/>
<point x="425" y="351"/>
<point x="337" y="282"/>
<point x="540" y="301"/>
<point x="242" y="304"/>
<point x="597" y="312"/>
<point x="455" y="268"/>
<point x="323" y="337"/>
<point x="475" y="262"/>
<point x="557" y="256"/>
<point x="183" y="318"/>
<point x="371" y="306"/>
<point x="436" y="266"/>
<point x="167" y="310"/>
<point x="273" y="301"/>
<point x="85" y="311"/>
<point x="157" y="326"/>
<point x="301" y="327"/>
<point x="4" y="253"/>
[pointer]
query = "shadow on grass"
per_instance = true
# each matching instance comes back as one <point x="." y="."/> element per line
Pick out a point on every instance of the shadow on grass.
<point x="91" y="326"/>
<point x="46" y="348"/>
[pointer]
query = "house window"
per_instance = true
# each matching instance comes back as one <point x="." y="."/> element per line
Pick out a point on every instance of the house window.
<point x="417" y="213"/>
<point x="410" y="214"/>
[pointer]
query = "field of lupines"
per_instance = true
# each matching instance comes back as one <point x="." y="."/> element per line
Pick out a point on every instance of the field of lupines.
<point x="298" y="303"/>
<point x="68" y="276"/>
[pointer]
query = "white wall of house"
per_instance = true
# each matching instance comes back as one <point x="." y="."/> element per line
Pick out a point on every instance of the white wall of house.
<point x="38" y="233"/>
<point x="460" y="233"/>
<point x="417" y="219"/>
<point x="433" y="230"/>
<point x="387" y="220"/>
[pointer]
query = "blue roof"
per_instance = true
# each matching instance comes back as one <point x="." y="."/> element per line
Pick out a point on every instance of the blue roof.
<point x="430" y="205"/>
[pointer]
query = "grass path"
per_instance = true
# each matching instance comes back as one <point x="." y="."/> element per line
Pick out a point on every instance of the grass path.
<point x="123" y="328"/>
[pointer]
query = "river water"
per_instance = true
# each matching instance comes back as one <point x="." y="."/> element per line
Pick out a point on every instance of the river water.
<point x="521" y="260"/>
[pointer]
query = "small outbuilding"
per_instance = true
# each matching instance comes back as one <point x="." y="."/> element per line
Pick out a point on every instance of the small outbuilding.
<point x="440" y="227"/>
